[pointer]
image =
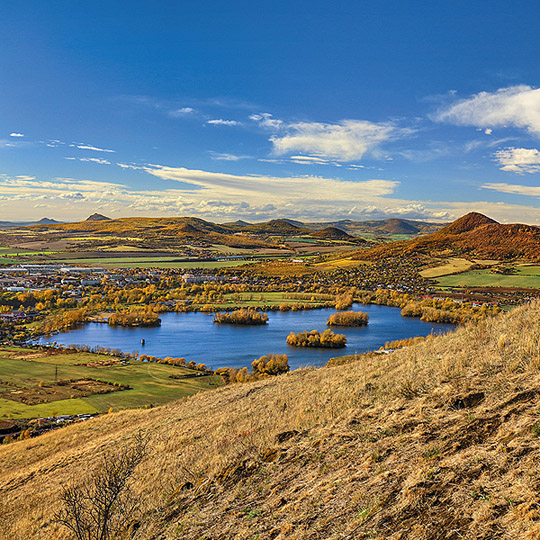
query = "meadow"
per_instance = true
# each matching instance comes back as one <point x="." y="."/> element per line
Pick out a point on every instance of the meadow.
<point x="526" y="276"/>
<point x="150" y="383"/>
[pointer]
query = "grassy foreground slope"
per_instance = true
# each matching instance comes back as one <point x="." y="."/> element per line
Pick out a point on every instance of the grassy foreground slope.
<point x="436" y="441"/>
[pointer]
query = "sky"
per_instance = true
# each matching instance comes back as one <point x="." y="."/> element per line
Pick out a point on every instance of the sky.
<point x="270" y="109"/>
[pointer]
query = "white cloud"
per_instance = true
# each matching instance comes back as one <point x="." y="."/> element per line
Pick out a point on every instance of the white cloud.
<point x="312" y="160"/>
<point x="347" y="140"/>
<point x="515" y="189"/>
<point x="514" y="106"/>
<point x="93" y="160"/>
<point x="15" y="134"/>
<point x="130" y="166"/>
<point x="518" y="160"/>
<point x="303" y="189"/>
<point x="265" y="120"/>
<point x="226" y="157"/>
<point x="97" y="160"/>
<point x="218" y="196"/>
<point x="183" y="111"/>
<point x="221" y="122"/>
<point x="93" y="148"/>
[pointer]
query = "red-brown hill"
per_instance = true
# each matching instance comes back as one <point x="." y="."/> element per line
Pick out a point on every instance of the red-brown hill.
<point x="468" y="222"/>
<point x="473" y="235"/>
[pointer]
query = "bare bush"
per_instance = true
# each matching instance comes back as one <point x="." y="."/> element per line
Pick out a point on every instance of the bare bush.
<point x="103" y="507"/>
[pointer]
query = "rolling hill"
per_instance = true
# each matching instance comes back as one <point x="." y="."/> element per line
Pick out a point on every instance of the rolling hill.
<point x="331" y="233"/>
<point x="473" y="235"/>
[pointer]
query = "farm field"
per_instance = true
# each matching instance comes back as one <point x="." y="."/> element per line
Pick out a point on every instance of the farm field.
<point x="147" y="262"/>
<point x="31" y="372"/>
<point x="455" y="265"/>
<point x="346" y="262"/>
<point x="527" y="277"/>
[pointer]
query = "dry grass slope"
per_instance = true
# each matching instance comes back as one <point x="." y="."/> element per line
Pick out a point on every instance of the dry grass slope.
<point x="440" y="440"/>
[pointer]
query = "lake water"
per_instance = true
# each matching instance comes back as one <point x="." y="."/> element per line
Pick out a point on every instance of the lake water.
<point x="195" y="337"/>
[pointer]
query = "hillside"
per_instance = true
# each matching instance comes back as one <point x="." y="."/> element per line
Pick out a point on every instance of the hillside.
<point x="277" y="226"/>
<point x="436" y="441"/>
<point x="472" y="235"/>
<point x="332" y="233"/>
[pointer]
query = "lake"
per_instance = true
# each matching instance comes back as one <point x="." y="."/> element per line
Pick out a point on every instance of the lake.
<point x="195" y="337"/>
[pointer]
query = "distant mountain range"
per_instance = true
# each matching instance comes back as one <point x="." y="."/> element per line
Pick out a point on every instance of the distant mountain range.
<point x="169" y="231"/>
<point x="12" y="224"/>
<point x="383" y="227"/>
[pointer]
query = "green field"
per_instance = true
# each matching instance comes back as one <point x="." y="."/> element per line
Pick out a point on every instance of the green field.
<point x="149" y="383"/>
<point x="527" y="277"/>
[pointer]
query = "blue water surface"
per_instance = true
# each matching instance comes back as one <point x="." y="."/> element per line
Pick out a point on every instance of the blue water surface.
<point x="195" y="337"/>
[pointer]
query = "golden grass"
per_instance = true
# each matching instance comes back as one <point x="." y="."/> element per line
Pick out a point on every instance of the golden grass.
<point x="437" y="440"/>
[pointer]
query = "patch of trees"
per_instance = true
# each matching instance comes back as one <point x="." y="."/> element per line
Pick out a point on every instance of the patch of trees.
<point x="134" y="317"/>
<point x="266" y="366"/>
<point x="348" y="318"/>
<point x="180" y="362"/>
<point x="242" y="316"/>
<point x="447" y="311"/>
<point x="343" y="301"/>
<point x="326" y="339"/>
<point x="62" y="321"/>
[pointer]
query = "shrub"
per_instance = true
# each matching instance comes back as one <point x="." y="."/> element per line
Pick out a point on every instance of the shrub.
<point x="271" y="364"/>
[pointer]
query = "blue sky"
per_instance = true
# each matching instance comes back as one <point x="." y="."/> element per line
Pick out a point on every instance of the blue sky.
<point x="261" y="110"/>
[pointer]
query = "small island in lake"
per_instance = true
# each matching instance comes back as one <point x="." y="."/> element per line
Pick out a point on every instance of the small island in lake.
<point x="136" y="317"/>
<point x="242" y="316"/>
<point x="348" y="318"/>
<point x="315" y="339"/>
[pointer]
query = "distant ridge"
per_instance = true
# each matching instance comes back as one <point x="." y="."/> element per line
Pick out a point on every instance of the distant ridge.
<point x="382" y="227"/>
<point x="47" y="221"/>
<point x="17" y="224"/>
<point x="97" y="217"/>
<point x="332" y="233"/>
<point x="237" y="223"/>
